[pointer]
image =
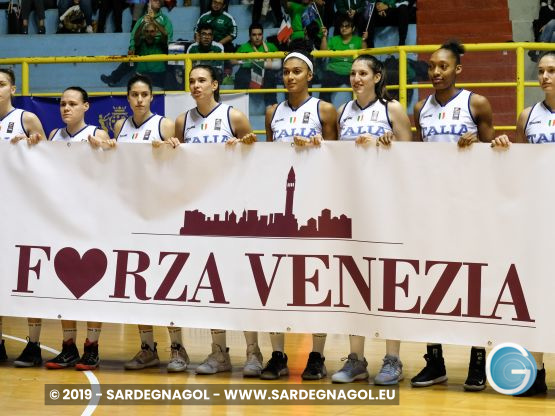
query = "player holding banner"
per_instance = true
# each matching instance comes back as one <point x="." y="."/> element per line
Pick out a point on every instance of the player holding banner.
<point x="371" y="118"/>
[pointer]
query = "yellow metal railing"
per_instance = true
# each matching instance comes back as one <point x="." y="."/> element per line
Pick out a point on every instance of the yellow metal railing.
<point x="518" y="48"/>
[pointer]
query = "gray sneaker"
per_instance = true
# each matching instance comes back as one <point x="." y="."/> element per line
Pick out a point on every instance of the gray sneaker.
<point x="253" y="365"/>
<point x="178" y="359"/>
<point x="391" y="372"/>
<point x="144" y="359"/>
<point x="218" y="361"/>
<point x="353" y="369"/>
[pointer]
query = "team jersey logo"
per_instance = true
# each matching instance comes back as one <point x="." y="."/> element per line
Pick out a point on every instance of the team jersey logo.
<point x="441" y="115"/>
<point x="10" y="127"/>
<point x="456" y="113"/>
<point x="306" y="117"/>
<point x="374" y="116"/>
<point x="147" y="135"/>
<point x="218" y="124"/>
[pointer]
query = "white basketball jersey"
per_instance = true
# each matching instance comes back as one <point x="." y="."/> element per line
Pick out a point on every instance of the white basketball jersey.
<point x="82" y="135"/>
<point x="215" y="127"/>
<point x="540" y="126"/>
<point x="12" y="124"/>
<point x="147" y="132"/>
<point x="355" y="120"/>
<point x="447" y="123"/>
<point x="288" y="122"/>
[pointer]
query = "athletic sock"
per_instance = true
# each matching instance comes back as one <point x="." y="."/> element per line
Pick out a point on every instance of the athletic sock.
<point x="69" y="333"/>
<point x="175" y="335"/>
<point x="93" y="334"/>
<point x="318" y="343"/>
<point x="147" y="337"/>
<point x="357" y="345"/>
<point x="219" y="338"/>
<point x="34" y="331"/>
<point x="278" y="341"/>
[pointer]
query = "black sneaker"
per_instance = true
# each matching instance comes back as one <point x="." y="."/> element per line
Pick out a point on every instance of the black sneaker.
<point x="3" y="355"/>
<point x="276" y="367"/>
<point x="30" y="357"/>
<point x="107" y="79"/>
<point x="89" y="361"/>
<point x="434" y="372"/>
<point x="476" y="380"/>
<point x="539" y="386"/>
<point x="315" y="367"/>
<point x="67" y="358"/>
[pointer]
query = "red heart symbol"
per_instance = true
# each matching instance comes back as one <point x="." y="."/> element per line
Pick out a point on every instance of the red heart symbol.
<point x="79" y="274"/>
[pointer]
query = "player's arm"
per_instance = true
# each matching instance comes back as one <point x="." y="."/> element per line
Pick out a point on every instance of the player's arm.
<point x="521" y="126"/>
<point x="33" y="126"/>
<point x="339" y="119"/>
<point x="179" y="127"/>
<point x="482" y="113"/>
<point x="417" y="109"/>
<point x="328" y="115"/>
<point x="52" y="133"/>
<point x="268" y="122"/>
<point x="239" y="123"/>
<point x="400" y="121"/>
<point x="117" y="127"/>
<point x="101" y="139"/>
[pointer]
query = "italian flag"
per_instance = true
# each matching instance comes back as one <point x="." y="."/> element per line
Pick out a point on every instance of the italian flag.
<point x="292" y="120"/>
<point x="441" y="115"/>
<point x="551" y="123"/>
<point x="204" y="126"/>
<point x="359" y="118"/>
<point x="135" y="136"/>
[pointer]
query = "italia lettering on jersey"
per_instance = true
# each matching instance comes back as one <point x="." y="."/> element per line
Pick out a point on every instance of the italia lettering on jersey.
<point x="288" y="122"/>
<point x="447" y="122"/>
<point x="540" y="126"/>
<point x="215" y="127"/>
<point x="356" y="120"/>
<point x="11" y="124"/>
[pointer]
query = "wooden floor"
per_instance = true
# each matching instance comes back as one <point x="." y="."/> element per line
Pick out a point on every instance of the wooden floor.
<point x="22" y="390"/>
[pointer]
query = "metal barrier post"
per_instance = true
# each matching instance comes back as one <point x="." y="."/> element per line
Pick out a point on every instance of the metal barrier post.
<point x="25" y="78"/>
<point x="403" y="77"/>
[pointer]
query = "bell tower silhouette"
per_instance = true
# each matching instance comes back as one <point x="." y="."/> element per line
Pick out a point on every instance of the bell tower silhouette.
<point x="290" y="189"/>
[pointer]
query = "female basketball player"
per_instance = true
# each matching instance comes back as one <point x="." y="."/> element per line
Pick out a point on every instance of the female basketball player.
<point x="74" y="103"/>
<point x="214" y="122"/>
<point x="372" y="117"/>
<point x="303" y="120"/>
<point x="452" y="115"/>
<point x="16" y="125"/>
<point x="145" y="127"/>
<point x="535" y="126"/>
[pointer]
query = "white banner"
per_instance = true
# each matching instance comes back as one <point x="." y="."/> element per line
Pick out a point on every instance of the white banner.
<point x="420" y="242"/>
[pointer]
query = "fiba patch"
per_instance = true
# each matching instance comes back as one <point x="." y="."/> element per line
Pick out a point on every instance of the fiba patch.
<point x="374" y="116"/>
<point x="147" y="135"/>
<point x="10" y="127"/>
<point x="306" y="117"/>
<point x="456" y="113"/>
<point x="218" y="124"/>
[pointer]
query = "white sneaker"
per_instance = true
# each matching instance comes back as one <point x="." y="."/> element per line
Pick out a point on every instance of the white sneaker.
<point x="216" y="362"/>
<point x="354" y="369"/>
<point x="253" y="365"/>
<point x="178" y="359"/>
<point x="89" y="29"/>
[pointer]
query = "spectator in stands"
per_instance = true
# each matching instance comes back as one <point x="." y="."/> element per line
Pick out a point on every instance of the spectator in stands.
<point x="104" y="9"/>
<point x="223" y="24"/>
<point x="206" y="44"/>
<point x="258" y="73"/>
<point x="70" y="12"/>
<point x="355" y="10"/>
<point x="275" y="5"/>
<point x="26" y="7"/>
<point x="296" y="10"/>
<point x="338" y="69"/>
<point x="150" y="36"/>
<point x="544" y="26"/>
<point x="391" y="13"/>
<point x="138" y="8"/>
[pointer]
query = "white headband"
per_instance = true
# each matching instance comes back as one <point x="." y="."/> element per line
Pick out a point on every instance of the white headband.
<point x="302" y="58"/>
